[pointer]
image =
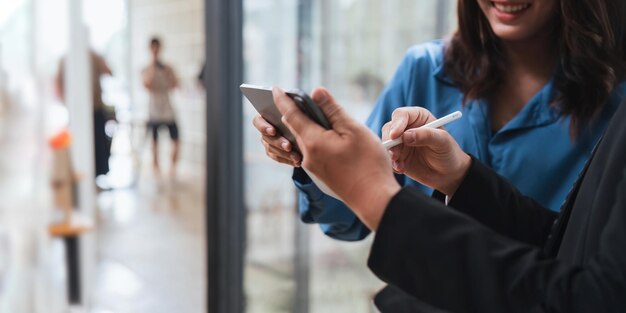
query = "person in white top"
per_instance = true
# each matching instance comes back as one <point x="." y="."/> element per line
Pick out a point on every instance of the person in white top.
<point x="160" y="79"/>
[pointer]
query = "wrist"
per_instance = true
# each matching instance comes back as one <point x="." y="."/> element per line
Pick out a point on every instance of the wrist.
<point x="370" y="204"/>
<point x="457" y="177"/>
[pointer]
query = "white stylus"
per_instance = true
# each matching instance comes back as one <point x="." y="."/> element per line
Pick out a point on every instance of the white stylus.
<point x="434" y="124"/>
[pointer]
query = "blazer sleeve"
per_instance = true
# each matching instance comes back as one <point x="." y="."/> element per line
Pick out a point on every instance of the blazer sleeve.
<point x="448" y="259"/>
<point x="496" y="203"/>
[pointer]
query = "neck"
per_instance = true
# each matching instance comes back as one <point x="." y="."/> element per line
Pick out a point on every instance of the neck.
<point x="537" y="56"/>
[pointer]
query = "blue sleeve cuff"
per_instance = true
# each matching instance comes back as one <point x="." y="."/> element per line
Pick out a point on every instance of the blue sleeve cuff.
<point x="335" y="218"/>
<point x="308" y="193"/>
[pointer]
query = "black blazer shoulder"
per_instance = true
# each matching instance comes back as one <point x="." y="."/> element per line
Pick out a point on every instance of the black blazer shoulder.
<point x="485" y="255"/>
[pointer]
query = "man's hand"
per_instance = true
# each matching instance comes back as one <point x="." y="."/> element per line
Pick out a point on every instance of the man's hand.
<point x="348" y="158"/>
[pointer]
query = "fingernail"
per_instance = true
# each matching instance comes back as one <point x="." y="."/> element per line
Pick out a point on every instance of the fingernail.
<point x="409" y="138"/>
<point x="285" y="145"/>
<point x="269" y="131"/>
<point x="295" y="158"/>
<point x="321" y="97"/>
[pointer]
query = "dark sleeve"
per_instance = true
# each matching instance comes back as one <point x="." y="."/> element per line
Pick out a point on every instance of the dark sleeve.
<point x="201" y="74"/>
<point x="335" y="219"/>
<point x="451" y="261"/>
<point x="101" y="65"/>
<point x="496" y="203"/>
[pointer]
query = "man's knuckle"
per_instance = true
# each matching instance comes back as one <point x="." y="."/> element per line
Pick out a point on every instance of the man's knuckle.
<point x="314" y="146"/>
<point x="289" y="115"/>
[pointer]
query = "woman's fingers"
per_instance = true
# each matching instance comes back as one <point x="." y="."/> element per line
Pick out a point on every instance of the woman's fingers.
<point x="430" y="137"/>
<point x="399" y="122"/>
<point x="385" y="132"/>
<point x="278" y="148"/>
<point x="269" y="134"/>
<point x="263" y="126"/>
<point x="278" y="142"/>
<point x="281" y="156"/>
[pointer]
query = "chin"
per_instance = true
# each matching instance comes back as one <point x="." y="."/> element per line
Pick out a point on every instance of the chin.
<point x="511" y="33"/>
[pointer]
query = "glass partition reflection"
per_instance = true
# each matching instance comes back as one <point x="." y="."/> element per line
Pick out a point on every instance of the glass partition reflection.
<point x="352" y="48"/>
<point x="270" y="59"/>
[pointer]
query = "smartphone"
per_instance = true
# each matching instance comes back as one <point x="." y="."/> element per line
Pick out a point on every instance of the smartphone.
<point x="263" y="101"/>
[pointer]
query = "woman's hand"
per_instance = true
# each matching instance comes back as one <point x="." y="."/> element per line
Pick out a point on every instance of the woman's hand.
<point x="348" y="158"/>
<point x="278" y="148"/>
<point x="429" y="156"/>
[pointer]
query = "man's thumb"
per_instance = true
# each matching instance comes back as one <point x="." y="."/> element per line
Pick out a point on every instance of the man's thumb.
<point x="332" y="110"/>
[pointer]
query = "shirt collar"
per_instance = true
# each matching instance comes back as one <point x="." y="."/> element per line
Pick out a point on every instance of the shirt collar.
<point x="440" y="74"/>
<point x="539" y="111"/>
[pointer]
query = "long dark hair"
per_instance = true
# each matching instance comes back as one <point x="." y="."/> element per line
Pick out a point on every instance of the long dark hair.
<point x="592" y="55"/>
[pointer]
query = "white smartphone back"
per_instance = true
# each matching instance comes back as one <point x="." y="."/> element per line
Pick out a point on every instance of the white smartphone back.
<point x="261" y="98"/>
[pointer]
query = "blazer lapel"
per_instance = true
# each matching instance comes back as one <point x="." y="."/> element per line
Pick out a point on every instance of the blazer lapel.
<point x="558" y="228"/>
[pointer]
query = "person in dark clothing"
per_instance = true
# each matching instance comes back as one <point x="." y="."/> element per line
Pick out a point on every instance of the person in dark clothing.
<point x="490" y="249"/>
<point x="102" y="142"/>
<point x="493" y="69"/>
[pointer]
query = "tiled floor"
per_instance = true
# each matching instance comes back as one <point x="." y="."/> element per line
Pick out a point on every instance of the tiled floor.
<point x="150" y="243"/>
<point x="151" y="247"/>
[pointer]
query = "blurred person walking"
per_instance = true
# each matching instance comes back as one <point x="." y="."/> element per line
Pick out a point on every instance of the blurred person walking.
<point x="159" y="79"/>
<point x="102" y="142"/>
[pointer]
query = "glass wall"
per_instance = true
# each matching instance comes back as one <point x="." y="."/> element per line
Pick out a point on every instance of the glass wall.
<point x="270" y="56"/>
<point x="141" y="237"/>
<point x="352" y="48"/>
<point x="26" y="117"/>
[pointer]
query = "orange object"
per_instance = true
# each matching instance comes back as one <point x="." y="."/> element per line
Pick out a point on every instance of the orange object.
<point x="65" y="229"/>
<point x="62" y="140"/>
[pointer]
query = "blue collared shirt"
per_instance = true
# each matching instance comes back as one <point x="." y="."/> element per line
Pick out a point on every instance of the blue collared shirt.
<point x="534" y="150"/>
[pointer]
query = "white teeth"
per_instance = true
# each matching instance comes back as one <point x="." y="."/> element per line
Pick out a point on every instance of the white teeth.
<point x="511" y="8"/>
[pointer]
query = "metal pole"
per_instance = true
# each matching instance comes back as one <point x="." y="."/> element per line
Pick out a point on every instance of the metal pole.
<point x="72" y="255"/>
<point x="302" y="240"/>
<point x="226" y="214"/>
<point x="79" y="101"/>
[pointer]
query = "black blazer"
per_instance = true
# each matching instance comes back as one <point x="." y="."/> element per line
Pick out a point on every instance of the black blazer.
<point x="494" y="250"/>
